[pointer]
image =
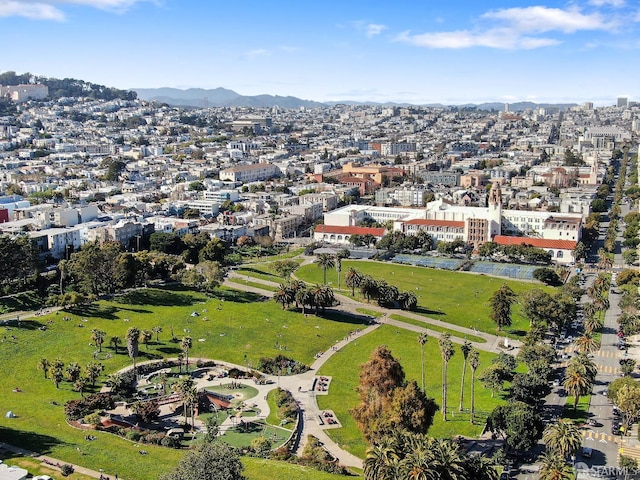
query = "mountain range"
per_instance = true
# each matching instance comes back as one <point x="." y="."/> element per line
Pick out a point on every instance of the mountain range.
<point x="222" y="97"/>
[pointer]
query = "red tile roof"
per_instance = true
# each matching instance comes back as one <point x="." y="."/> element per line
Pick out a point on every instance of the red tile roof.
<point x="343" y="230"/>
<point x="435" y="223"/>
<point x="535" y="242"/>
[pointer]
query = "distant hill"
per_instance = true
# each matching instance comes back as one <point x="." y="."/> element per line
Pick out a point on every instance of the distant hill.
<point x="222" y="97"/>
<point x="219" y="97"/>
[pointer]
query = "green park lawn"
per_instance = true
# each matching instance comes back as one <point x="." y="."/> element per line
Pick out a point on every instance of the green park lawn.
<point x="437" y="328"/>
<point x="264" y="270"/>
<point x="259" y="469"/>
<point x="344" y="369"/>
<point x="247" y="283"/>
<point x="234" y="326"/>
<point x="455" y="297"/>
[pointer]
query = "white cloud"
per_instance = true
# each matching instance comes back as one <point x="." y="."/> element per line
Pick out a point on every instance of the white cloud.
<point x="52" y="9"/>
<point x="496" y="38"/>
<point x="515" y="28"/>
<point x="542" y="19"/>
<point x="34" y="11"/>
<point x="375" y="29"/>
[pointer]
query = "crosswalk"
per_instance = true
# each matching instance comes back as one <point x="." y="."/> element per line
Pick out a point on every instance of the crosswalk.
<point x="630" y="451"/>
<point x="608" y="370"/>
<point x="607" y="354"/>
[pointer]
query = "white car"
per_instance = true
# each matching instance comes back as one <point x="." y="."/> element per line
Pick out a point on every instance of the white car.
<point x="42" y="477"/>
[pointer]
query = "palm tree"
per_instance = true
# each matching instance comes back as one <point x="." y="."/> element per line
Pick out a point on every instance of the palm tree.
<point x="474" y="362"/>
<point x="115" y="342"/>
<point x="97" y="337"/>
<point x="589" y="310"/>
<point x="304" y="297"/>
<point x="56" y="375"/>
<point x="584" y="365"/>
<point x="133" y="337"/>
<point x="73" y="371"/>
<point x="446" y="460"/>
<point x="145" y="337"/>
<point x="79" y="385"/>
<point x="43" y="365"/>
<point x="92" y="372"/>
<point x="352" y="279"/>
<point x="325" y="261"/>
<point x="338" y="261"/>
<point x="283" y="295"/>
<point x="446" y="350"/>
<point x="604" y="259"/>
<point x="407" y="300"/>
<point x="465" y="348"/>
<point x="157" y="330"/>
<point x="184" y="388"/>
<point x="323" y="296"/>
<point x="592" y="324"/>
<point x="587" y="343"/>
<point x="562" y="437"/>
<point x="602" y="304"/>
<point x="576" y="384"/>
<point x="163" y="379"/>
<point x="369" y="287"/>
<point x="185" y="344"/>
<point x="422" y="339"/>
<point x="554" y="467"/>
<point x="481" y="467"/>
<point x="115" y="381"/>
<point x="417" y="465"/>
<point x="380" y="459"/>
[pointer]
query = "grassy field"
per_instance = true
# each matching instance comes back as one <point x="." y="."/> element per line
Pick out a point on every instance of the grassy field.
<point x="262" y="286"/>
<point x="344" y="368"/>
<point x="259" y="469"/>
<point x="234" y="326"/>
<point x="454" y="297"/>
<point x="436" y="328"/>
<point x="263" y="271"/>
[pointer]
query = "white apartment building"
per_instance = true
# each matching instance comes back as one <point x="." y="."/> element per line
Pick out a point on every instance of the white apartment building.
<point x="249" y="173"/>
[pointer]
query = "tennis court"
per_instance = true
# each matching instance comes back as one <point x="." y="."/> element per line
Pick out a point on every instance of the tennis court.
<point x="433" y="262"/>
<point x="522" y="272"/>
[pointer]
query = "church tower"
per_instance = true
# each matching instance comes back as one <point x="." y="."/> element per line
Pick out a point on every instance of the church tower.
<point x="495" y="210"/>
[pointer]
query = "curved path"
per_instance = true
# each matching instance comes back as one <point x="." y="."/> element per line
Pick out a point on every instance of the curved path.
<point x="301" y="385"/>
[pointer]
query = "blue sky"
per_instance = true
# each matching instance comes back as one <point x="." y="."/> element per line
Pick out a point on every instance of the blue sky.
<point x="417" y="51"/>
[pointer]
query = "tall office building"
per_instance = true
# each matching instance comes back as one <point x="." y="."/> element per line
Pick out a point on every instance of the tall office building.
<point x="622" y="102"/>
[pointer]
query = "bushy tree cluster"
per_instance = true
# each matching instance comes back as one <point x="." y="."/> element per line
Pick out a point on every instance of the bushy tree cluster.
<point x="387" y="401"/>
<point x="522" y="253"/>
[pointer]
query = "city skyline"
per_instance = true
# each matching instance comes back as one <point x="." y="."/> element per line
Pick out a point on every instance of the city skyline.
<point x="452" y="53"/>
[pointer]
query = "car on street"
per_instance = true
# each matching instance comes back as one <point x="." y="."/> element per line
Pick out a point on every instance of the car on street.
<point x="586" y="452"/>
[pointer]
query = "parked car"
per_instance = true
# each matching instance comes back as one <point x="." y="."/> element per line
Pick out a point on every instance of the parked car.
<point x="586" y="452"/>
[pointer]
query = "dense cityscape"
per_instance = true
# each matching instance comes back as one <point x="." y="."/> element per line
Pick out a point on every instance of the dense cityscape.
<point x="266" y="290"/>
